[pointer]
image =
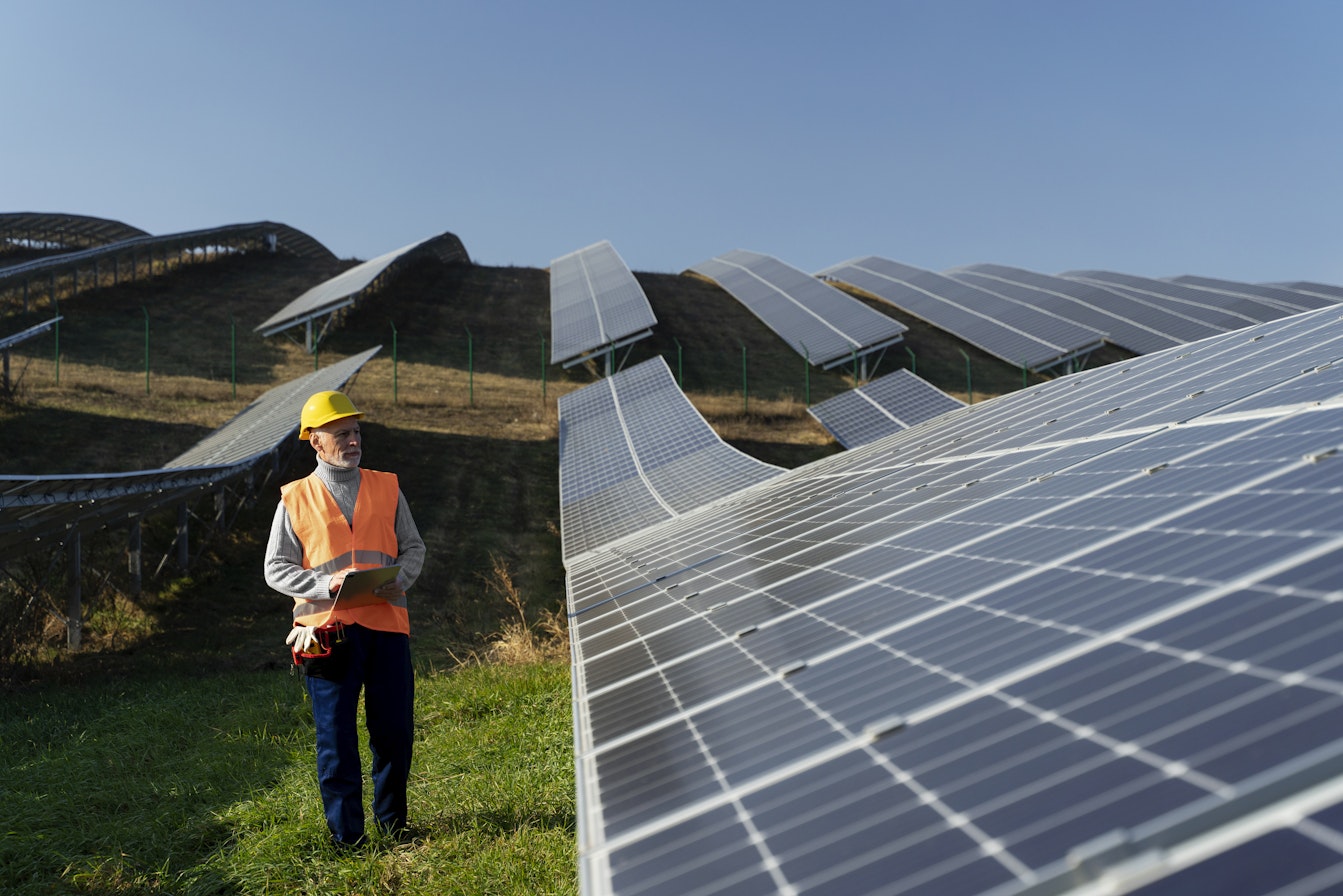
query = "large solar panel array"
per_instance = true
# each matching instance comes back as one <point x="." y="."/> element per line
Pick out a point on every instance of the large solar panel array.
<point x="48" y="507"/>
<point x="634" y="452"/>
<point x="343" y="290"/>
<point x="1132" y="325"/>
<point x="1286" y="301"/>
<point x="821" y="323"/>
<point x="227" y="237"/>
<point x="595" y="304"/>
<point x="881" y="407"/>
<point x="1020" y="334"/>
<point x="1222" y="311"/>
<point x="47" y="230"/>
<point x="1082" y="638"/>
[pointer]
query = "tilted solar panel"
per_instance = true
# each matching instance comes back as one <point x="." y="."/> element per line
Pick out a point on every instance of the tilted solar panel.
<point x="342" y="290"/>
<point x="634" y="452"/>
<point x="1221" y="311"/>
<point x="1136" y="326"/>
<point x="820" y="323"/>
<point x="884" y="406"/>
<point x="39" y="507"/>
<point x="1017" y="333"/>
<point x="1082" y="638"/>
<point x="595" y="303"/>
<point x="1290" y="301"/>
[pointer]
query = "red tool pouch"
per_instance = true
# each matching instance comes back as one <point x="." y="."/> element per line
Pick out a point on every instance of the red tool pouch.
<point x="327" y="636"/>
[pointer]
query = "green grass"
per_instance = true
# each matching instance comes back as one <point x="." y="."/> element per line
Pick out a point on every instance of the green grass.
<point x="205" y="785"/>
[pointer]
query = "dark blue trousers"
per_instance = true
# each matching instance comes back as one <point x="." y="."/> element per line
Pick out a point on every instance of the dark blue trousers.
<point x="378" y="663"/>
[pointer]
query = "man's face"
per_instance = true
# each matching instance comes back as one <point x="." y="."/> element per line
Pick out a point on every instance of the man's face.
<point x="339" y="443"/>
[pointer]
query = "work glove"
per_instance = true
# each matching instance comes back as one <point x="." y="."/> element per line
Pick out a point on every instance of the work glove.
<point x="301" y="638"/>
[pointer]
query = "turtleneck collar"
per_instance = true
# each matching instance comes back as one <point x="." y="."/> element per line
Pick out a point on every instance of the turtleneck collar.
<point x="332" y="473"/>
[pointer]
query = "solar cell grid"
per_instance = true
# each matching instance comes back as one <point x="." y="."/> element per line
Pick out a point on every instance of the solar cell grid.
<point x="818" y="321"/>
<point x="634" y="451"/>
<point x="1123" y="324"/>
<point x="1020" y="334"/>
<point x="595" y="303"/>
<point x="1005" y="654"/>
<point x="885" y="405"/>
<point x="1288" y="301"/>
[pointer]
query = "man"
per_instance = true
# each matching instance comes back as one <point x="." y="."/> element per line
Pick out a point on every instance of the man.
<point x="338" y="519"/>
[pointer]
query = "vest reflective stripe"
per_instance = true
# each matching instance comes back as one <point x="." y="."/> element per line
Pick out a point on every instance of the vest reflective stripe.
<point x="331" y="544"/>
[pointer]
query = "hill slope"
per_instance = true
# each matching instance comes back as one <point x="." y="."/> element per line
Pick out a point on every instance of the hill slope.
<point x="461" y="403"/>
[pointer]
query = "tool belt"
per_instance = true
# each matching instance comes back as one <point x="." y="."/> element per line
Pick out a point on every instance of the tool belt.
<point x="327" y="636"/>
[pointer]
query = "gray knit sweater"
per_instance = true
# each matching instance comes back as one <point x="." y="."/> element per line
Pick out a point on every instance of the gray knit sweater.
<point x="284" y="555"/>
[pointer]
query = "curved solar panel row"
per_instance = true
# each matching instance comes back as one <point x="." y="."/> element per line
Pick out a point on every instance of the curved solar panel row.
<point x="1219" y="311"/>
<point x="1280" y="298"/>
<point x="1324" y="290"/>
<point x="257" y="234"/>
<point x="1134" y="326"/>
<point x="634" y="452"/>
<point x="50" y="507"/>
<point x="595" y="304"/>
<point x="342" y="289"/>
<point x="821" y="323"/>
<point x="884" y="406"/>
<point x="1081" y="638"/>
<point x="48" y="229"/>
<point x="1018" y="334"/>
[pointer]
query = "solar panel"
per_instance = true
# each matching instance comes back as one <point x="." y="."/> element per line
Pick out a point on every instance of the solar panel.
<point x="1288" y="301"/>
<point x="634" y="452"/>
<point x="1081" y="638"/>
<point x="886" y="405"/>
<point x="8" y="342"/>
<point x="595" y="304"/>
<point x="343" y="289"/>
<point x="1325" y="290"/>
<point x="33" y="508"/>
<point x="1019" y="334"/>
<point x="45" y="230"/>
<point x="821" y="323"/>
<point x="1131" y="325"/>
<point x="1220" y="311"/>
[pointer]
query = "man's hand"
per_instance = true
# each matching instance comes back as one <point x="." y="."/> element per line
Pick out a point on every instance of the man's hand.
<point x="302" y="638"/>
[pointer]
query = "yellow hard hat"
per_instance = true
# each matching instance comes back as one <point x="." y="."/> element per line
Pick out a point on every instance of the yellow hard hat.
<point x="321" y="408"/>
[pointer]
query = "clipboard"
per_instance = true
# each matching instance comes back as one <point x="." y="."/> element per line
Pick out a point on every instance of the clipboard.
<point x="357" y="588"/>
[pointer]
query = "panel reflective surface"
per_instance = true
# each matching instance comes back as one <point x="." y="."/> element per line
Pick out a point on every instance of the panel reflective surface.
<point x="50" y="507"/>
<point x="1016" y="332"/>
<point x="634" y="452"/>
<point x="595" y="302"/>
<point x="1082" y="638"/>
<point x="820" y="323"/>
<point x="884" y="406"/>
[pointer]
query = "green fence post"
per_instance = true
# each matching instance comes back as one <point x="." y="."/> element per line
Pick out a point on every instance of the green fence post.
<point x="806" y="373"/>
<point x="969" y="386"/>
<point x="1024" y="381"/>
<point x="470" y="368"/>
<point x="233" y="354"/>
<point x="394" y="360"/>
<point x="543" y="367"/>
<point x="57" y="358"/>
<point x="745" y="393"/>
<point x="146" y="312"/>
<point x="680" y="380"/>
<point x="913" y="361"/>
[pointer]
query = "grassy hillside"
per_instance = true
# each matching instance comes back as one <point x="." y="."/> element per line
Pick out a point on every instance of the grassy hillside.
<point x="461" y="402"/>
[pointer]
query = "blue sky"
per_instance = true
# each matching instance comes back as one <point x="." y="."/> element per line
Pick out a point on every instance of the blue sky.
<point x="1153" y="137"/>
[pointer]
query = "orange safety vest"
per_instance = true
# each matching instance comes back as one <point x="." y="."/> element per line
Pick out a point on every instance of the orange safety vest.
<point x="331" y="544"/>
